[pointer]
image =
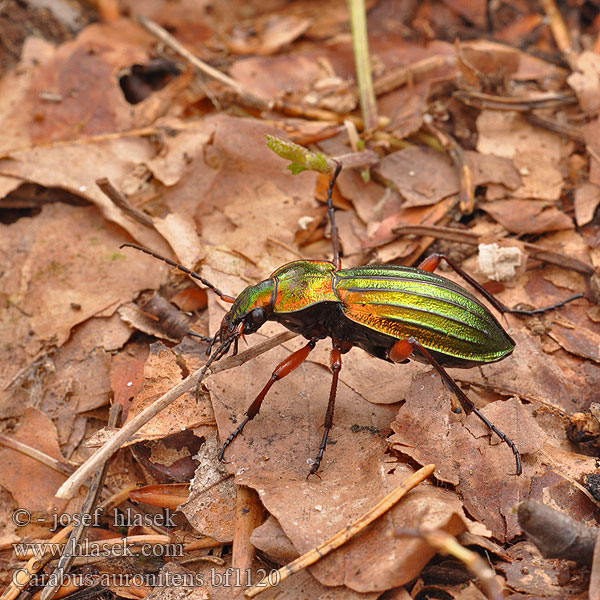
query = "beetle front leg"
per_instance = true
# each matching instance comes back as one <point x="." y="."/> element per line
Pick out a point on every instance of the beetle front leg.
<point x="285" y="367"/>
<point x="403" y="348"/>
<point x="336" y="367"/>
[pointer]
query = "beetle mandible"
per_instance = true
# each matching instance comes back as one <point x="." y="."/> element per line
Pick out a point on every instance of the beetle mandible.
<point x="392" y="312"/>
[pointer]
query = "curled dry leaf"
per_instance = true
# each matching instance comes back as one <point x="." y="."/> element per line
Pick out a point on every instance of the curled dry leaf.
<point x="271" y="539"/>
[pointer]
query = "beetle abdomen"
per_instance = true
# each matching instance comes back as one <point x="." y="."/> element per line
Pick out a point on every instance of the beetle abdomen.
<point x="403" y="302"/>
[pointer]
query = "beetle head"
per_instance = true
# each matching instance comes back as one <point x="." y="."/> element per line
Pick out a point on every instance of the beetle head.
<point x="251" y="309"/>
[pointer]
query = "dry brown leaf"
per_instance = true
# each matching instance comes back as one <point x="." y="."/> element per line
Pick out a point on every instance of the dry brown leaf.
<point x="527" y="216"/>
<point x="536" y="153"/>
<point x="586" y="81"/>
<point x="301" y="585"/>
<point x="19" y="471"/>
<point x="58" y="281"/>
<point x="83" y="76"/>
<point x="428" y="431"/>
<point x="527" y="373"/>
<point x="126" y="374"/>
<point x="266" y="35"/>
<point x="530" y="573"/>
<point x="211" y="502"/>
<point x="170" y="459"/>
<point x="163" y="371"/>
<point x="587" y="198"/>
<point x="424" y="176"/>
<point x="271" y="539"/>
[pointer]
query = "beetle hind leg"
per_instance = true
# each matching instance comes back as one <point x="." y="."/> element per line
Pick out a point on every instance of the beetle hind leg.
<point x="399" y="351"/>
<point x="431" y="263"/>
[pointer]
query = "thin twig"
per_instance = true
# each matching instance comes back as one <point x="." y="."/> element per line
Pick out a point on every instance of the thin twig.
<point x="465" y="174"/>
<point x="467" y="237"/>
<point x="560" y="32"/>
<point x="345" y="534"/>
<point x="88" y="507"/>
<point x="57" y="465"/>
<point x="551" y="124"/>
<point x="164" y="36"/>
<point x="70" y="486"/>
<point x="546" y="100"/>
<point x="121" y="202"/>
<point x="400" y="76"/>
<point x="249" y="514"/>
<point x="22" y="576"/>
<point x="555" y="534"/>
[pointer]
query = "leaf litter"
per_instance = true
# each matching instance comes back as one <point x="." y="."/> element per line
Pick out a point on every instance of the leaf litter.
<point x="216" y="199"/>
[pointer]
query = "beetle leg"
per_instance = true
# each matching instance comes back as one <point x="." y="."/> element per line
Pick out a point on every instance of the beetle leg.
<point x="432" y="262"/>
<point x="335" y="236"/>
<point x="467" y="404"/>
<point x="285" y="367"/>
<point x="336" y="367"/>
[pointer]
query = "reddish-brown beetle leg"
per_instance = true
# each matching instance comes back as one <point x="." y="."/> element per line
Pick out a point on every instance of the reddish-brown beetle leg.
<point x="400" y="351"/>
<point x="431" y="263"/>
<point x="336" y="367"/>
<point x="285" y="367"/>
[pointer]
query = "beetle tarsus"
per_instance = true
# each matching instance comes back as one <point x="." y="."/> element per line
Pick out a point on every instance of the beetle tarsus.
<point x="503" y="437"/>
<point x="232" y="437"/>
<point x="539" y="311"/>
<point x="204" y="338"/>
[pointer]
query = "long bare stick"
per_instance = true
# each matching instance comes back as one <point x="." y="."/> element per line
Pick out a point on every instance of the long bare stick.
<point x="342" y="536"/>
<point x="88" y="507"/>
<point x="69" y="488"/>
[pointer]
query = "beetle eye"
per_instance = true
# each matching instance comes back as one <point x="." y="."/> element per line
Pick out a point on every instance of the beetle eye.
<point x="255" y="318"/>
<point x="258" y="316"/>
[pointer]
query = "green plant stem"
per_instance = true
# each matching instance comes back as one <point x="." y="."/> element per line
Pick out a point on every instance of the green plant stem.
<point x="360" y="42"/>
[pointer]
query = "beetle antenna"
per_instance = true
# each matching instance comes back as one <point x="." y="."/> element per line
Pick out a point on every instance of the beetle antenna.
<point x="187" y="271"/>
<point x="335" y="238"/>
<point x="204" y="338"/>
